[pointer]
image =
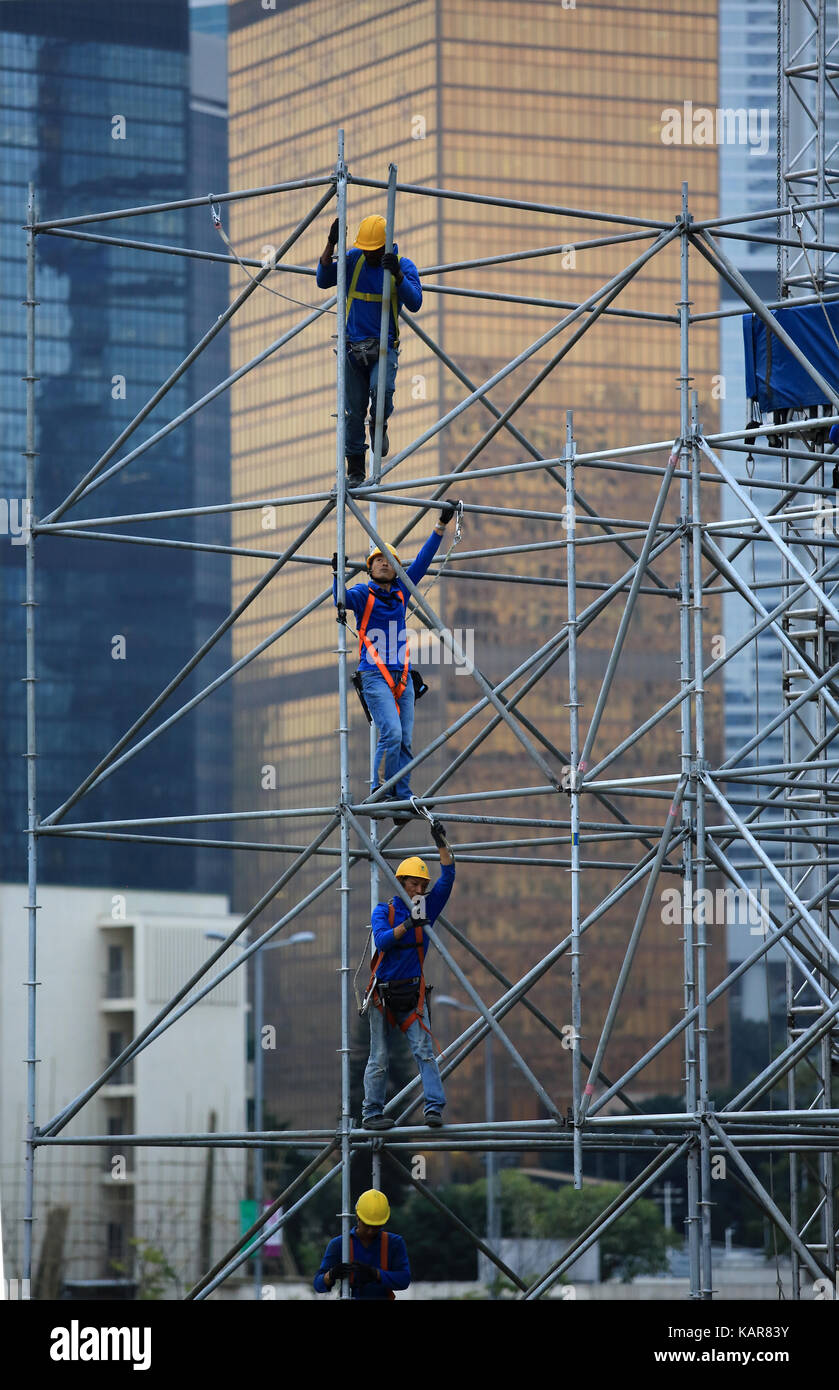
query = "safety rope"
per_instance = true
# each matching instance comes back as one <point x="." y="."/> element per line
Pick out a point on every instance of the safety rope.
<point x="458" y="532"/>
<point x="216" y="216"/>
<point x="358" y="998"/>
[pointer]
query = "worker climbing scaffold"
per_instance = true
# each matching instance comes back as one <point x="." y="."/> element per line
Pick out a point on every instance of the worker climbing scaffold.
<point x="397" y="996"/>
<point x="385" y="680"/>
<point x="366" y="263"/>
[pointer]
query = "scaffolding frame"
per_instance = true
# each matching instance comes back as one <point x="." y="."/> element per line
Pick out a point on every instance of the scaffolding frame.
<point x="679" y="841"/>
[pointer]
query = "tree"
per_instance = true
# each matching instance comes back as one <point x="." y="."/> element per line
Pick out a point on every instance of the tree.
<point x="151" y="1269"/>
<point x="637" y="1242"/>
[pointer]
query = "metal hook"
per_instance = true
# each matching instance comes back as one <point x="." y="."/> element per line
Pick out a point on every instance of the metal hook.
<point x="458" y="522"/>
<point x="215" y="211"/>
<point x="420" y="810"/>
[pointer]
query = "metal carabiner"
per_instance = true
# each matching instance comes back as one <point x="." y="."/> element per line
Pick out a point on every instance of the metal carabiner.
<point x="458" y="521"/>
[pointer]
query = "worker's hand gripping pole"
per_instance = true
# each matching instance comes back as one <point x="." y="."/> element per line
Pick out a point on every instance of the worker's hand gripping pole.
<point x="381" y="380"/>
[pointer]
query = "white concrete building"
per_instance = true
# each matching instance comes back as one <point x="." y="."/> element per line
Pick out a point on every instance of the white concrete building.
<point x="107" y="962"/>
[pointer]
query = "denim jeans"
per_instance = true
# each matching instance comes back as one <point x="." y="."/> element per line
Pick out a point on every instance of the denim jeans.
<point x="375" y="1075"/>
<point x="359" y="389"/>
<point x="395" y="730"/>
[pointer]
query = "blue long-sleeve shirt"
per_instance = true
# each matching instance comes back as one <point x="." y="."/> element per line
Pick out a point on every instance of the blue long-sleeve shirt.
<point x="401" y="958"/>
<point x="365" y="316"/>
<point x="386" y="629"/>
<point x="396" y="1276"/>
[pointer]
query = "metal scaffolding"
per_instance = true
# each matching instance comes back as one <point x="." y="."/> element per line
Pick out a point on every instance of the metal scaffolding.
<point x="699" y="812"/>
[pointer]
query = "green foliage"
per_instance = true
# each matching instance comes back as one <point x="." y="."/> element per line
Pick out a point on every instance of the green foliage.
<point x="637" y="1242"/>
<point x="150" y="1268"/>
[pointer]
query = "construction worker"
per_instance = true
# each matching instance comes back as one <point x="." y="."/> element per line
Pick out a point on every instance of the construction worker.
<point x="397" y="990"/>
<point x="384" y="669"/>
<point x="366" y="264"/>
<point x="379" y="1261"/>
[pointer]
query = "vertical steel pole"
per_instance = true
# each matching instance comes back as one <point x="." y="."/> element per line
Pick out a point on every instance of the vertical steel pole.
<point x="692" y="1217"/>
<point x="493" y="1225"/>
<point x="384" y="329"/>
<point x="258" y="1093"/>
<point x="343" y="728"/>
<point x="700" y="858"/>
<point x="574" y="754"/>
<point x="31" y="752"/>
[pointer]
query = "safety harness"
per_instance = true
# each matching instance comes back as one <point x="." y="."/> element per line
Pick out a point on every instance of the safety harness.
<point x="397" y="687"/>
<point x="374" y="988"/>
<point x="354" y="293"/>
<point x="383" y="1246"/>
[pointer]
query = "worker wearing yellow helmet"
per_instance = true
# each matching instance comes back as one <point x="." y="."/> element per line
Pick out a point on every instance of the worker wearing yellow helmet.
<point x="397" y="997"/>
<point x="384" y="677"/>
<point x="378" y="1261"/>
<point x="366" y="263"/>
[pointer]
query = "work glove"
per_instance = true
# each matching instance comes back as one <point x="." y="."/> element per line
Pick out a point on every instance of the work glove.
<point x="333" y="233"/>
<point x="342" y="1271"/>
<point x="364" y="1274"/>
<point x="438" y="834"/>
<point x="334" y="562"/>
<point x="447" y="513"/>
<point x="390" y="261"/>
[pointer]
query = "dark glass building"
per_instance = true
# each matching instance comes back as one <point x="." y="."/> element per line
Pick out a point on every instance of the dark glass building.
<point x="98" y="115"/>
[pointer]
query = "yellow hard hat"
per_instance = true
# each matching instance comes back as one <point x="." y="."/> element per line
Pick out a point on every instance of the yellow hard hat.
<point x="413" y="868"/>
<point x="377" y="551"/>
<point x="371" y="233"/>
<point x="372" y="1208"/>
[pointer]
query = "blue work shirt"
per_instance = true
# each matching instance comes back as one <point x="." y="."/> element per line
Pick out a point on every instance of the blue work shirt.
<point x="396" y="1276"/>
<point x="386" y="628"/>
<point x="365" y="316"/>
<point x="401" y="959"/>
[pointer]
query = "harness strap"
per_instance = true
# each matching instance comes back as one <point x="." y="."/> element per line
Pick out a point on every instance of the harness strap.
<point x="397" y="688"/>
<point x="384" y="1240"/>
<point x="416" y="1015"/>
<point x="354" y="293"/>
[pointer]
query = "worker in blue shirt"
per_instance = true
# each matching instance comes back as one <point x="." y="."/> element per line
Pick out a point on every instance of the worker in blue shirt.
<point x="397" y="995"/>
<point x="384" y="669"/>
<point x="366" y="264"/>
<point x="379" y="1260"/>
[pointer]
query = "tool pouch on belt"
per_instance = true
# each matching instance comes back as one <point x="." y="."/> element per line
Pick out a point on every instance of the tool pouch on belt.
<point x="359" y="690"/>
<point x="364" y="353"/>
<point x="400" y="996"/>
<point x="420" y="687"/>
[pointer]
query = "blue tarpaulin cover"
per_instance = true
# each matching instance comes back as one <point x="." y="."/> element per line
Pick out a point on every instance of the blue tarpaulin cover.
<point x="773" y="377"/>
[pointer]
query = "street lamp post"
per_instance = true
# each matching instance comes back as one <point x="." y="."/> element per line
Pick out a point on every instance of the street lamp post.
<point x="493" y="1223"/>
<point x="259" y="1076"/>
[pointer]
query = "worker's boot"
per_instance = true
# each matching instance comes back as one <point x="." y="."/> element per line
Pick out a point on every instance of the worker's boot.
<point x="355" y="470"/>
<point x="378" y="1122"/>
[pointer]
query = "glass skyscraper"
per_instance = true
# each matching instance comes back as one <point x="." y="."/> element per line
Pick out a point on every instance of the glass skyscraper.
<point x="97" y="115"/>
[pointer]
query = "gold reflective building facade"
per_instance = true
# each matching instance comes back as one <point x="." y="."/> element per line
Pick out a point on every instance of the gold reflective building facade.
<point x="543" y="104"/>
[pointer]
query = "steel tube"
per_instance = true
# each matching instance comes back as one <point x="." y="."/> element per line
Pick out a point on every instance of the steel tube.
<point x="384" y="326"/>
<point x="30" y="604"/>
<point x="183" y="203"/>
<point x="214" y="329"/>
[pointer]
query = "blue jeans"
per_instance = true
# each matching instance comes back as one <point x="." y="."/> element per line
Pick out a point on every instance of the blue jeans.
<point x="395" y="730"/>
<point x="375" y="1075"/>
<point x="359" y="389"/>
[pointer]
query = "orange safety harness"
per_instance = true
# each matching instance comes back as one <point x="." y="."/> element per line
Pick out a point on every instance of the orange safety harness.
<point x="383" y="1246"/>
<point x="416" y="1014"/>
<point x="397" y="688"/>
